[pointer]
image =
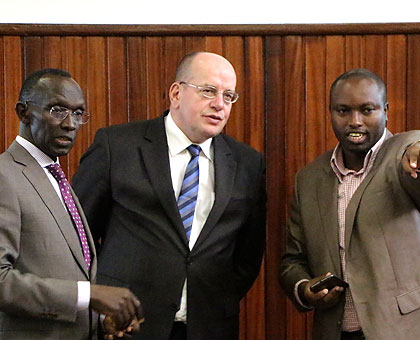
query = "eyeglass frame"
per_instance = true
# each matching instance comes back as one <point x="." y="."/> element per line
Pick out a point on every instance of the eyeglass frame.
<point x="67" y="110"/>
<point x="199" y="88"/>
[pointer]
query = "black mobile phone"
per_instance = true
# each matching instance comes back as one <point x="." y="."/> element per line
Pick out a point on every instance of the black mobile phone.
<point x="328" y="282"/>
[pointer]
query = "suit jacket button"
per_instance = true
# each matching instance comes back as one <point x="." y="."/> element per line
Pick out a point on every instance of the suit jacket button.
<point x="189" y="261"/>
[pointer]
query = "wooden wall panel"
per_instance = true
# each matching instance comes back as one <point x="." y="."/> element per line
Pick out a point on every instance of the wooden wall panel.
<point x="234" y="50"/>
<point x="335" y="65"/>
<point x="283" y="77"/>
<point x="396" y="80"/>
<point x="117" y="80"/>
<point x="374" y="56"/>
<point x="315" y="64"/>
<point x="276" y="307"/>
<point x="295" y="144"/>
<point x="13" y="70"/>
<point x="413" y="88"/>
<point x="155" y="77"/>
<point x="8" y="111"/>
<point x="137" y="80"/>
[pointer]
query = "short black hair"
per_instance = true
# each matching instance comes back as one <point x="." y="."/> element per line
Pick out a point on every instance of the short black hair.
<point x="31" y="81"/>
<point x="361" y="73"/>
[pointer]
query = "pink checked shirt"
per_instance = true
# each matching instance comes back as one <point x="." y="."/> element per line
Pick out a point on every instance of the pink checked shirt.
<point x="349" y="181"/>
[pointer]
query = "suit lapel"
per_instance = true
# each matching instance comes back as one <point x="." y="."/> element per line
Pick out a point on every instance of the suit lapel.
<point x="41" y="184"/>
<point x="327" y="201"/>
<point x="156" y="159"/>
<point x="224" y="172"/>
<point x="357" y="196"/>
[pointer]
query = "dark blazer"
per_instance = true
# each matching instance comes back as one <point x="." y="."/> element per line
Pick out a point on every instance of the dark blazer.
<point x="382" y="241"/>
<point x="124" y="184"/>
<point x="41" y="257"/>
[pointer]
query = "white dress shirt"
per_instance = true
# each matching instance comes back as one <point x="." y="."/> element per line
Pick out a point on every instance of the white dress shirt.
<point x="179" y="157"/>
<point x="83" y="287"/>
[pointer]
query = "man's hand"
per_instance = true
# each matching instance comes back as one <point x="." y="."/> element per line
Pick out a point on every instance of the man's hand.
<point x="119" y="303"/>
<point x="111" y="331"/>
<point x="411" y="159"/>
<point x="322" y="299"/>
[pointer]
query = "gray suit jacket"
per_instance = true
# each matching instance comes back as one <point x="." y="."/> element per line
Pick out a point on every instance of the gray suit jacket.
<point x="40" y="256"/>
<point x="382" y="244"/>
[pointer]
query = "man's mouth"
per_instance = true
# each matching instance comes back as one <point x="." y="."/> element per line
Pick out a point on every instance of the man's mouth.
<point x="64" y="140"/>
<point x="356" y="136"/>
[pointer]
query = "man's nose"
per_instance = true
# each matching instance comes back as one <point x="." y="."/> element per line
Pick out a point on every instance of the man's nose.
<point x="69" y="122"/>
<point x="356" y="118"/>
<point x="218" y="101"/>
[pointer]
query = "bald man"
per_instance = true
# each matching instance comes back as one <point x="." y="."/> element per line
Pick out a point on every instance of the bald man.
<point x="180" y="207"/>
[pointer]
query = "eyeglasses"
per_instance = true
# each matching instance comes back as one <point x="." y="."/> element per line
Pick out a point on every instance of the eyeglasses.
<point x="211" y="92"/>
<point x="61" y="113"/>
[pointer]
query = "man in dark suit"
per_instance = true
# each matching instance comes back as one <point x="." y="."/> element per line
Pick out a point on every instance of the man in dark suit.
<point x="190" y="270"/>
<point x="356" y="214"/>
<point x="47" y="255"/>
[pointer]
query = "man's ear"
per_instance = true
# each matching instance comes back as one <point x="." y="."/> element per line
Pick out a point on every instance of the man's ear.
<point x="386" y="110"/>
<point x="174" y="94"/>
<point x="22" y="112"/>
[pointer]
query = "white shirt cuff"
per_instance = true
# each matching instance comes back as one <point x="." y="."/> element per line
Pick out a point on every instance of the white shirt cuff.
<point x="83" y="295"/>
<point x="296" y="292"/>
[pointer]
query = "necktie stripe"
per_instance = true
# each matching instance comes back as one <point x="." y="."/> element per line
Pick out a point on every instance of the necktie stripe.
<point x="187" y="199"/>
<point x="190" y="190"/>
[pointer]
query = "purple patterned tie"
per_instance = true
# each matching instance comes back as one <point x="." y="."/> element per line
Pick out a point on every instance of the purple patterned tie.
<point x="64" y="186"/>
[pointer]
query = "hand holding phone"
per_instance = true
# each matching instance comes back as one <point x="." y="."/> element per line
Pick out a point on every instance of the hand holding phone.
<point x="328" y="282"/>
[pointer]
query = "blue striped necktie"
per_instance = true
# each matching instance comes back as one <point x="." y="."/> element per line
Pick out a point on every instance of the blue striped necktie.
<point x="189" y="190"/>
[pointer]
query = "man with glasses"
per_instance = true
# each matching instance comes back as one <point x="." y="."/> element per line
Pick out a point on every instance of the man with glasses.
<point x="47" y="255"/>
<point x="179" y="207"/>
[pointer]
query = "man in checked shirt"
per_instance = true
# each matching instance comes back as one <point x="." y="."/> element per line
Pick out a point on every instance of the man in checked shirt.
<point x="356" y="214"/>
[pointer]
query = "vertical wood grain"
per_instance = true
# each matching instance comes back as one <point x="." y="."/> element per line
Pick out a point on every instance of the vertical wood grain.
<point x="53" y="52"/>
<point x="3" y="106"/>
<point x="396" y="80"/>
<point x="315" y="96"/>
<point x="276" y="163"/>
<point x="375" y="54"/>
<point x="354" y="52"/>
<point x="254" y="123"/>
<point x="12" y="73"/>
<point x="117" y="80"/>
<point x="233" y="48"/>
<point x="335" y="66"/>
<point x="295" y="143"/>
<point x="155" y="76"/>
<point x="137" y="78"/>
<point x="413" y="80"/>
<point x="32" y="46"/>
<point x="96" y="93"/>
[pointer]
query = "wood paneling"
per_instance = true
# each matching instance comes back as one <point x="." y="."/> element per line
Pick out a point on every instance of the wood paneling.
<point x="283" y="77"/>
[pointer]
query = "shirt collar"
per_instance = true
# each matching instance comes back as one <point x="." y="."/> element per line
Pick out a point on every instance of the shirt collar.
<point x="337" y="161"/>
<point x="42" y="158"/>
<point x="178" y="141"/>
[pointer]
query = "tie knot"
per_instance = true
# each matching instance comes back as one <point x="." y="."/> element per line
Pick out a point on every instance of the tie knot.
<point x="56" y="171"/>
<point x="194" y="150"/>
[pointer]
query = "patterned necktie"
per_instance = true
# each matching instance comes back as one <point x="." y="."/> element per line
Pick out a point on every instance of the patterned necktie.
<point x="64" y="186"/>
<point x="189" y="190"/>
